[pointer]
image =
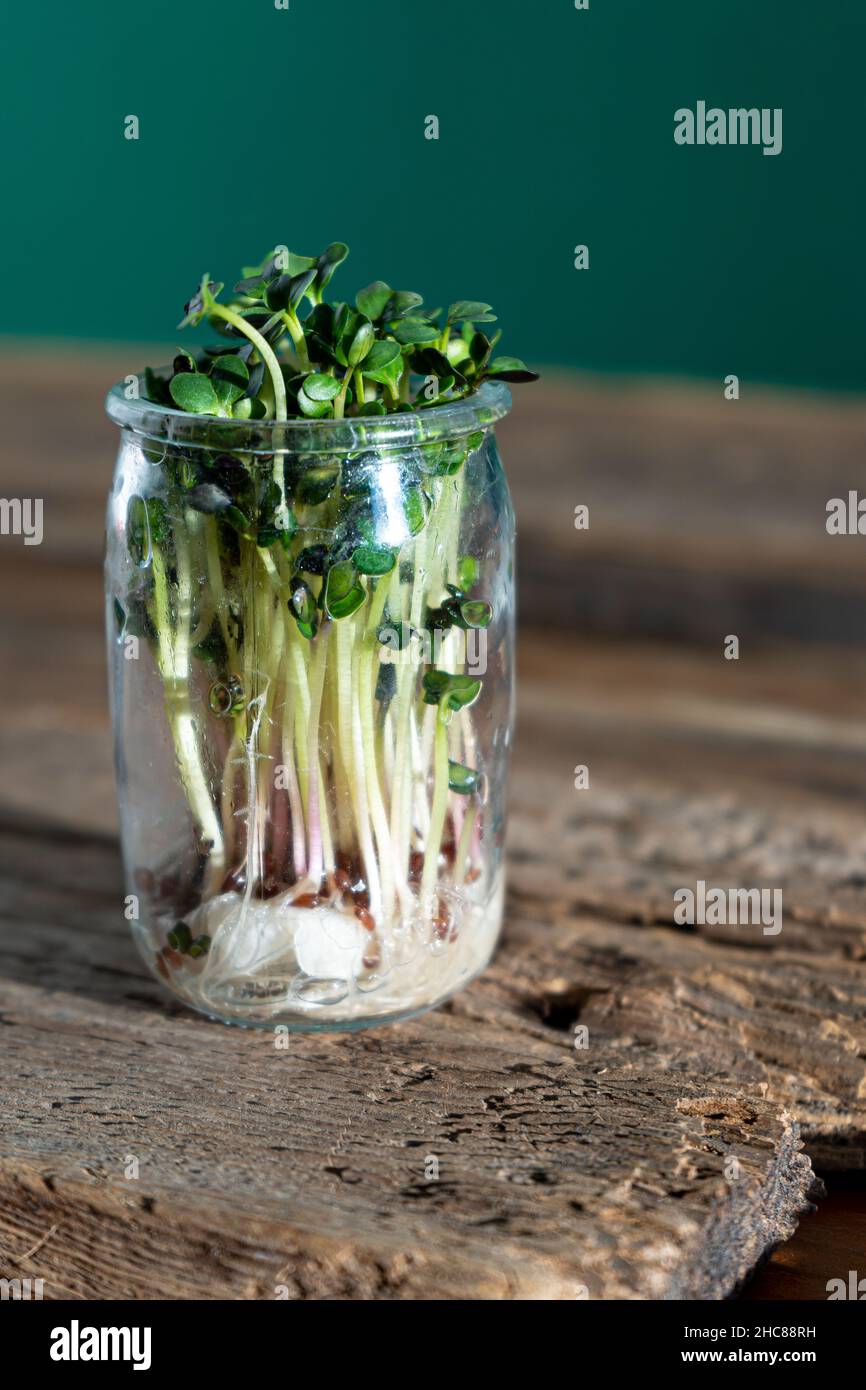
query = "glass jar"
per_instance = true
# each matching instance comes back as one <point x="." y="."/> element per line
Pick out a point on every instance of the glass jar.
<point x="310" y="628"/>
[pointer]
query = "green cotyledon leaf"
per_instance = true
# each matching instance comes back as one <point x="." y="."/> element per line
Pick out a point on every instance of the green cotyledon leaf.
<point x="344" y="592"/>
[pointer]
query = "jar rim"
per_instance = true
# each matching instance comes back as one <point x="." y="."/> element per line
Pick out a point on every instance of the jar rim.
<point x="301" y="436"/>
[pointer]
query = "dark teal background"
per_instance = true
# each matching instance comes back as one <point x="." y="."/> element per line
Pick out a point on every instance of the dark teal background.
<point x="303" y="126"/>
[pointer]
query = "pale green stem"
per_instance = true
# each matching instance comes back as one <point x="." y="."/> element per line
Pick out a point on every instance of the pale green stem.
<point x="342" y="795"/>
<point x="217" y="588"/>
<point x="317" y="681"/>
<point x="296" y="810"/>
<point x="173" y="661"/>
<point x="265" y="351"/>
<point x="352" y="745"/>
<point x="301" y="695"/>
<point x="255" y="709"/>
<point x="271" y="361"/>
<point x="405" y="384"/>
<point x="296" y="334"/>
<point x="340" y="400"/>
<point x="461" y="861"/>
<point x="368" y="647"/>
<point x="275" y="634"/>
<point x="229" y="780"/>
<point x="438" y="809"/>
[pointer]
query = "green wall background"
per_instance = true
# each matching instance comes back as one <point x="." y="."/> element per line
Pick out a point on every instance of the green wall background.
<point x="303" y="126"/>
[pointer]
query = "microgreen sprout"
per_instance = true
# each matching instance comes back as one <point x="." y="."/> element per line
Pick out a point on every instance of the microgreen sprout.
<point x="320" y="615"/>
<point x="374" y="356"/>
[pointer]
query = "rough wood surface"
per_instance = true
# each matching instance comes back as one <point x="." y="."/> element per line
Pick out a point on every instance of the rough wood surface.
<point x="661" y="1159"/>
<point x="606" y="1170"/>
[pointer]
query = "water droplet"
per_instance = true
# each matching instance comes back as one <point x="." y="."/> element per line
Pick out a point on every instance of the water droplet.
<point x="138" y="532"/>
<point x="308" y="991"/>
<point x="226" y="697"/>
<point x="370" y="979"/>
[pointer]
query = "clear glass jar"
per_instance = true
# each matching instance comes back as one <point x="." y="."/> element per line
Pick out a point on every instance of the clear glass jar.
<point x="310" y="629"/>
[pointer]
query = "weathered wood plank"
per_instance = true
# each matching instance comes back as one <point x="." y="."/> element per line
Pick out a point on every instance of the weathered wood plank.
<point x="607" y="1166"/>
<point x="672" y="1019"/>
<point x="558" y="1167"/>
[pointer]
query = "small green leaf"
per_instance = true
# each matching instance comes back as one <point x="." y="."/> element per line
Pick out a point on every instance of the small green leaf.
<point x="444" y="460"/>
<point x="229" y="377"/>
<point x="429" y="361"/>
<point x="467" y="573"/>
<point x="416" y="506"/>
<point x="470" y="310"/>
<point x="472" y="613"/>
<point x="287" y="291"/>
<point x="453" y="692"/>
<point x="327" y="263"/>
<point x="457" y="353"/>
<point x="401" y="303"/>
<point x="384" y="363"/>
<point x="372" y="300"/>
<point x="251" y="286"/>
<point x="439" y="619"/>
<point x="509" y="369"/>
<point x="302" y="605"/>
<point x="180" y="938"/>
<point x="344" y="593"/>
<point x="463" y="691"/>
<point x="201" y="303"/>
<point x="462" y="779"/>
<point x="411" y="331"/>
<point x="199" y="947"/>
<point x="312" y="559"/>
<point x="316" y="484"/>
<point x="314" y="409"/>
<point x="361" y="345"/>
<point x="238" y="520"/>
<point x="276" y="262"/>
<point x="319" y="333"/>
<point x="374" y="559"/>
<point x="480" y="348"/>
<point x="347" y="324"/>
<point x="435" y="686"/>
<point x="318" y="386"/>
<point x="193" y="392"/>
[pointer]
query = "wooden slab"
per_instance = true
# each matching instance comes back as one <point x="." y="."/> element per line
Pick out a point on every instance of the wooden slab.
<point x="664" y="1157"/>
<point x="562" y="1172"/>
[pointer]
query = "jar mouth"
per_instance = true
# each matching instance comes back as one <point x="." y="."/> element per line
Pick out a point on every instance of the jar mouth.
<point x="479" y="411"/>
